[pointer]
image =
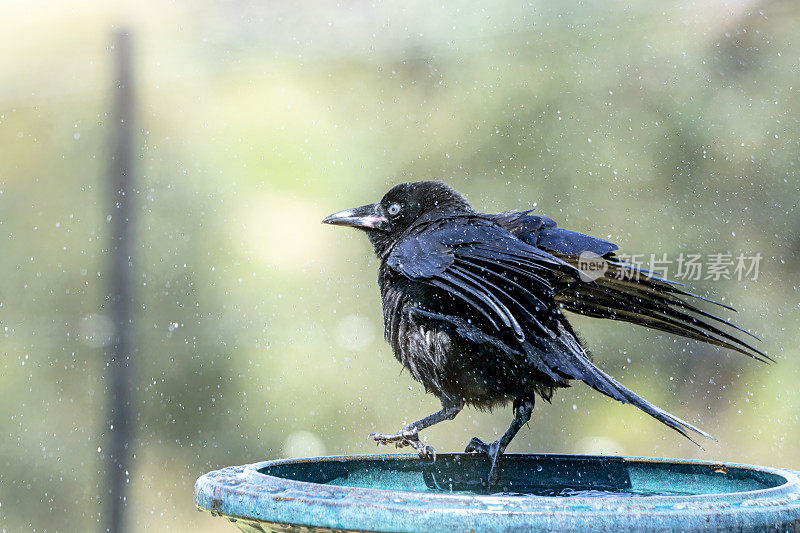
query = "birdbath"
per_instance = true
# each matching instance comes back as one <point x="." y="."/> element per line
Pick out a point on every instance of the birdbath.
<point x="400" y="492"/>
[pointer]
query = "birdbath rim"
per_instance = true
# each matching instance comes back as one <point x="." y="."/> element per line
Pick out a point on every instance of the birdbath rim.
<point x="340" y="492"/>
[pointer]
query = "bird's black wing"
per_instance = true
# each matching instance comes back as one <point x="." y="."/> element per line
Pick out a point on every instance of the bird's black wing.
<point x="625" y="291"/>
<point x="507" y="281"/>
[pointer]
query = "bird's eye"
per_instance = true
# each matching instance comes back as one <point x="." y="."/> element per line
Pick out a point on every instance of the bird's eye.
<point x="394" y="209"/>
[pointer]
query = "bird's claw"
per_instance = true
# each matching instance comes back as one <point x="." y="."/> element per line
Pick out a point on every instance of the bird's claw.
<point x="406" y="437"/>
<point x="477" y="445"/>
<point x="425" y="451"/>
<point x="492" y="451"/>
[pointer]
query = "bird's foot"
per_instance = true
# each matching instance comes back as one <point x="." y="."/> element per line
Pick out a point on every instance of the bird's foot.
<point x="492" y="451"/>
<point x="408" y="436"/>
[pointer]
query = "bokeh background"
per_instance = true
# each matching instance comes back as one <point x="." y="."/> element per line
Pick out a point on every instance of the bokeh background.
<point x="665" y="127"/>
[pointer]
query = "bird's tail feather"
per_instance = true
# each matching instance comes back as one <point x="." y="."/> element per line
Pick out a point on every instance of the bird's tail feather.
<point x="627" y="293"/>
<point x="568" y="357"/>
<point x="616" y="390"/>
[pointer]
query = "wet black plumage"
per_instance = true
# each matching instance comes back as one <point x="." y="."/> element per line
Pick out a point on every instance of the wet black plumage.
<point x="473" y="307"/>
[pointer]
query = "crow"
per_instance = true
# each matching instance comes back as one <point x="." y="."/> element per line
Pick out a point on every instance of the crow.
<point x="473" y="307"/>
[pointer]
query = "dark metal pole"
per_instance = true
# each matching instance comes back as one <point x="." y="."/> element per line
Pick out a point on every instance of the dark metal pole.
<point x="121" y="298"/>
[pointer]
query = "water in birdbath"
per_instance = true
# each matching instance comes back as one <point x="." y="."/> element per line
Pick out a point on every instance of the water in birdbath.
<point x="527" y="475"/>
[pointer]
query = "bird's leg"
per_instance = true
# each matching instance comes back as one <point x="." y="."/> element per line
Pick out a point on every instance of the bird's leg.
<point x="409" y="435"/>
<point x="522" y="413"/>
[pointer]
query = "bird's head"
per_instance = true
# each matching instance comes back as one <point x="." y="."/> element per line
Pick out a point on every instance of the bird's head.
<point x="403" y="205"/>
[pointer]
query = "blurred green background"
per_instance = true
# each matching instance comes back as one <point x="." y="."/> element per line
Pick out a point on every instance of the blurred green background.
<point x="665" y="127"/>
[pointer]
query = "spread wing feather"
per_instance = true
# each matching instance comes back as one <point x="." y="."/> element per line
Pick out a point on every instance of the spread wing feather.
<point x="625" y="292"/>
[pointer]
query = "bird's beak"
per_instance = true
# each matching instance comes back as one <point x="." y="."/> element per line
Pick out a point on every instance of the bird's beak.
<point x="367" y="216"/>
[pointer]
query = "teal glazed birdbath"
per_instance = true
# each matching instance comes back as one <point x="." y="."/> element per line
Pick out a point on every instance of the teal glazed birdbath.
<point x="540" y="492"/>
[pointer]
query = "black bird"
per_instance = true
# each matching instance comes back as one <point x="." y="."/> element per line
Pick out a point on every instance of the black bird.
<point x="473" y="307"/>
